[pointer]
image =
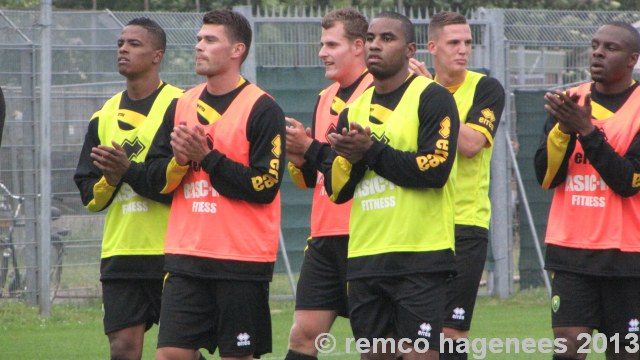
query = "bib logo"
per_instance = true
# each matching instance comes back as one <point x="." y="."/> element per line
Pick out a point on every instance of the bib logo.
<point x="330" y="130"/>
<point x="382" y="138"/>
<point x="133" y="148"/>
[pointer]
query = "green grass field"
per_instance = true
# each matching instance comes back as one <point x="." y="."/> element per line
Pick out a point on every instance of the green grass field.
<point x="75" y="331"/>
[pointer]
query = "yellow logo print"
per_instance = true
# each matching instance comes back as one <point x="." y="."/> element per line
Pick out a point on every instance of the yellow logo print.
<point x="209" y="114"/>
<point x="378" y="114"/>
<point x="445" y="127"/>
<point x="337" y="105"/>
<point x="277" y="146"/>
<point x="488" y="118"/>
<point x="636" y="180"/>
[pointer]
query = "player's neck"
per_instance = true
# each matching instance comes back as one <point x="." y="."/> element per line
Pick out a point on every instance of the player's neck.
<point x="352" y="76"/>
<point x="140" y="88"/>
<point x="447" y="79"/>
<point x="614" y="88"/>
<point x="391" y="83"/>
<point x="223" y="83"/>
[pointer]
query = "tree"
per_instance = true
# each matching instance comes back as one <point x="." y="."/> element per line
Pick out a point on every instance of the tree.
<point x="20" y="4"/>
<point x="205" y="5"/>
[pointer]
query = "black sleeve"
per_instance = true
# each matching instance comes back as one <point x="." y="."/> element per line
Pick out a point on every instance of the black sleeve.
<point x="551" y="163"/>
<point x="488" y="104"/>
<point x="260" y="181"/>
<point x="619" y="172"/>
<point x="313" y="156"/>
<point x="317" y="153"/>
<point x="136" y="177"/>
<point x="87" y="174"/>
<point x="160" y="153"/>
<point x="431" y="165"/>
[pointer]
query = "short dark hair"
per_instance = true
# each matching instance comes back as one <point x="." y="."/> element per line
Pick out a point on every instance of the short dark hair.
<point x="634" y="36"/>
<point x="236" y="25"/>
<point x="442" y="19"/>
<point x="406" y="24"/>
<point x="158" y="36"/>
<point x="354" y="23"/>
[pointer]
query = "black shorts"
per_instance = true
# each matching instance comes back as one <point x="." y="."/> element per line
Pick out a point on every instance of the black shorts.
<point x="130" y="302"/>
<point x="230" y="315"/>
<point x="409" y="307"/>
<point x="462" y="290"/>
<point x="609" y="304"/>
<point x="323" y="284"/>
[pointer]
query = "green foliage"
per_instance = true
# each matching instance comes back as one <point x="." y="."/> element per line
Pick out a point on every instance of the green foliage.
<point x="460" y="5"/>
<point x="20" y="4"/>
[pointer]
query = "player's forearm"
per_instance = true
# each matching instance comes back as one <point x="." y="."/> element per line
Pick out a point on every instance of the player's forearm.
<point x="618" y="172"/>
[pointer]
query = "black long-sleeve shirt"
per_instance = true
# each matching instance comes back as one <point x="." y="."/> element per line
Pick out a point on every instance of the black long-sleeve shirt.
<point x="96" y="194"/>
<point x="87" y="174"/>
<point x="229" y="178"/>
<point x="397" y="166"/>
<point x="319" y="151"/>
<point x="617" y="170"/>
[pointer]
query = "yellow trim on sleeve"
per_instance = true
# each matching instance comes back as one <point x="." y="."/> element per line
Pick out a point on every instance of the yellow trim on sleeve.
<point x="102" y="193"/>
<point x="296" y="176"/>
<point x="340" y="172"/>
<point x="483" y="130"/>
<point x="175" y="173"/>
<point x="557" y="143"/>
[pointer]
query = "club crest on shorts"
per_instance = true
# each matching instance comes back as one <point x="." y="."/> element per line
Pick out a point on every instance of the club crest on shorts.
<point x="634" y="325"/>
<point x="555" y="303"/>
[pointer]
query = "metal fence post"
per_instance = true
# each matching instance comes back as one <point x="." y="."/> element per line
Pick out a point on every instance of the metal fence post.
<point x="249" y="65"/>
<point x="501" y="229"/>
<point x="44" y="248"/>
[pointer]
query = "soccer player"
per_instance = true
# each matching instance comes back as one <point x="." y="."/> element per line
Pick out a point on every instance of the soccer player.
<point x="590" y="155"/>
<point x="395" y="150"/>
<point x="322" y="290"/>
<point x="219" y="150"/>
<point x="111" y="174"/>
<point x="480" y="101"/>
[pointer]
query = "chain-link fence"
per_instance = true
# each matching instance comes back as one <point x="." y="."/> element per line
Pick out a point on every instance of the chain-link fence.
<point x="523" y="49"/>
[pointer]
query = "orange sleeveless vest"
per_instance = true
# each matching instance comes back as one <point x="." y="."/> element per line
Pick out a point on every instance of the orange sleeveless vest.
<point x="585" y="213"/>
<point x="328" y="218"/>
<point x="207" y="224"/>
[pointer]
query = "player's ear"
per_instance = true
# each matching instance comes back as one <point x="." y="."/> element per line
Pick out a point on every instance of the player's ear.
<point x="239" y="49"/>
<point x="358" y="44"/>
<point x="157" y="56"/>
<point x="411" y="50"/>
<point x="633" y="59"/>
